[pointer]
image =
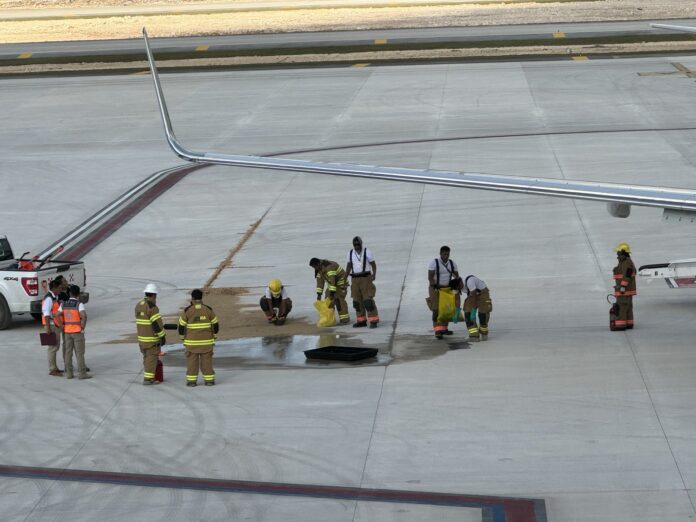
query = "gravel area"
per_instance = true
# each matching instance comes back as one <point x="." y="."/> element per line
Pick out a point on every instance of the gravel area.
<point x="323" y="19"/>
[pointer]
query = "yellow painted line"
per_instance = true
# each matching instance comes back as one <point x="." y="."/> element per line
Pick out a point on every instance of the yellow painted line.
<point x="360" y="65"/>
<point x="202" y="48"/>
<point x="559" y="34"/>
<point x="24" y="56"/>
<point x="580" y="58"/>
<point x="140" y="73"/>
<point x="380" y="41"/>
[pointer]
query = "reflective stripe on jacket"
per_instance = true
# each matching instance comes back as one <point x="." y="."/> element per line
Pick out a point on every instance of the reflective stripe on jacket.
<point x="198" y="325"/>
<point x="148" y="322"/>
<point x="332" y="274"/>
<point x="625" y="276"/>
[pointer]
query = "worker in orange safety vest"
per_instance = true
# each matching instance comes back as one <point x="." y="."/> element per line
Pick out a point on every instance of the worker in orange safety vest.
<point x="72" y="316"/>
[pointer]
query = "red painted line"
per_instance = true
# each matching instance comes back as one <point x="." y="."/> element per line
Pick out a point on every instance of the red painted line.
<point x="516" y="510"/>
<point x="125" y="214"/>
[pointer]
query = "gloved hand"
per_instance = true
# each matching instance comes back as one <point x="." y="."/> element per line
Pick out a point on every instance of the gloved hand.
<point x="457" y="311"/>
<point x="472" y="314"/>
<point x="318" y="296"/>
<point x="622" y="289"/>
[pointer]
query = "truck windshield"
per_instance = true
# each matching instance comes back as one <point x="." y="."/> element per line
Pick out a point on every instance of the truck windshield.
<point x="5" y="250"/>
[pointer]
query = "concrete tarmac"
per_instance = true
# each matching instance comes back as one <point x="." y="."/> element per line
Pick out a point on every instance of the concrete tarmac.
<point x="554" y="418"/>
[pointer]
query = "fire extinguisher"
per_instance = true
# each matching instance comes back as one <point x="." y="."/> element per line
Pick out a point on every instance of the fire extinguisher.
<point x="159" y="371"/>
<point x="613" y="312"/>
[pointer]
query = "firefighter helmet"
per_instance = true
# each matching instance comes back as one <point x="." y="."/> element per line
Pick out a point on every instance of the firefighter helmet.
<point x="275" y="286"/>
<point x="150" y="288"/>
<point x="623" y="247"/>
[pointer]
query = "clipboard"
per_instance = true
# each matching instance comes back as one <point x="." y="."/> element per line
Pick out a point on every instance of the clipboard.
<point x="48" y="339"/>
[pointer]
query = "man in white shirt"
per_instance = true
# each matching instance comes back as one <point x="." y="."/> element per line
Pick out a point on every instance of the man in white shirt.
<point x="442" y="273"/>
<point x="49" y="310"/>
<point x="477" y="302"/>
<point x="275" y="303"/>
<point x="362" y="269"/>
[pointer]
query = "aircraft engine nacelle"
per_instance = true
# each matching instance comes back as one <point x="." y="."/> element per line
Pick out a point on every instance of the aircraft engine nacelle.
<point x="619" y="210"/>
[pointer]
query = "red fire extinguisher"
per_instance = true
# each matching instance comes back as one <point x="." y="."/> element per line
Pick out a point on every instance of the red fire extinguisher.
<point x="613" y="312"/>
<point x="159" y="371"/>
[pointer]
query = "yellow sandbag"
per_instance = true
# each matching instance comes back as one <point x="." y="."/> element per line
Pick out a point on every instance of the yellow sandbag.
<point x="327" y="315"/>
<point x="445" y="308"/>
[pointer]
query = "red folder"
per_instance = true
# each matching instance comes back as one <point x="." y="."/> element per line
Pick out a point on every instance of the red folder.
<point x="48" y="339"/>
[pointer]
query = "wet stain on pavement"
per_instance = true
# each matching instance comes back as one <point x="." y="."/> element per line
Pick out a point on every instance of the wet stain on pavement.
<point x="288" y="351"/>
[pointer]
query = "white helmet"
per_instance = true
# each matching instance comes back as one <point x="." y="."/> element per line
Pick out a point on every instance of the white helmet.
<point x="150" y="288"/>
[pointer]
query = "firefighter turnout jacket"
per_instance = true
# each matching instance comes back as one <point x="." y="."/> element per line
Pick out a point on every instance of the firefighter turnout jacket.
<point x="625" y="278"/>
<point x="198" y="327"/>
<point x="334" y="276"/>
<point x="149" y="324"/>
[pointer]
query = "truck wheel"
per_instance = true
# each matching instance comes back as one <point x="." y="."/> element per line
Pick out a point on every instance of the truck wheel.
<point x="5" y="315"/>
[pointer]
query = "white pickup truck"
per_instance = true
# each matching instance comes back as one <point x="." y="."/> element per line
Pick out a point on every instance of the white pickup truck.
<point x="24" y="282"/>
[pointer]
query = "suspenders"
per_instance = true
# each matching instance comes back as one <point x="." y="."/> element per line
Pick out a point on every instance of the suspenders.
<point x="364" y="262"/>
<point x="437" y="269"/>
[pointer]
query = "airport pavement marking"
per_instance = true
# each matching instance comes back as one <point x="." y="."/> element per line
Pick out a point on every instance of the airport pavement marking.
<point x="580" y="58"/>
<point x="24" y="56"/>
<point x="86" y="236"/>
<point x="380" y="41"/>
<point x="680" y="69"/>
<point x="360" y="65"/>
<point x="559" y="34"/>
<point x="201" y="48"/>
<point x="494" y="509"/>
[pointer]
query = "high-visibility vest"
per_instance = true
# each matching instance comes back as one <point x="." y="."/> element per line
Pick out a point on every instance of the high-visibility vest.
<point x="54" y="309"/>
<point x="71" y="316"/>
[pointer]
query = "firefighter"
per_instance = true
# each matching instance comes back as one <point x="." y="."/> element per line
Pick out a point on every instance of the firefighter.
<point x="49" y="319"/>
<point x="198" y="329"/>
<point x="150" y="332"/>
<point x="333" y="275"/>
<point x="442" y="273"/>
<point x="624" y="286"/>
<point x="275" y="303"/>
<point x="477" y="303"/>
<point x="362" y="270"/>
<point x="73" y="317"/>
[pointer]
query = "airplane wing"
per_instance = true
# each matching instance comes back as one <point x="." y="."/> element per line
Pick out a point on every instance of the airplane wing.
<point x="678" y="204"/>
<point x="677" y="274"/>
<point x="683" y="28"/>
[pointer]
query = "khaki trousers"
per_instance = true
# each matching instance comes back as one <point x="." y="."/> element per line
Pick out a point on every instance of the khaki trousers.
<point x="150" y="357"/>
<point x="52" y="351"/>
<point x="199" y="358"/>
<point x="74" y="342"/>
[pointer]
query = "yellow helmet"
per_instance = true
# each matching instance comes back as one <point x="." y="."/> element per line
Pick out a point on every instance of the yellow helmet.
<point x="275" y="286"/>
<point x="623" y="247"/>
